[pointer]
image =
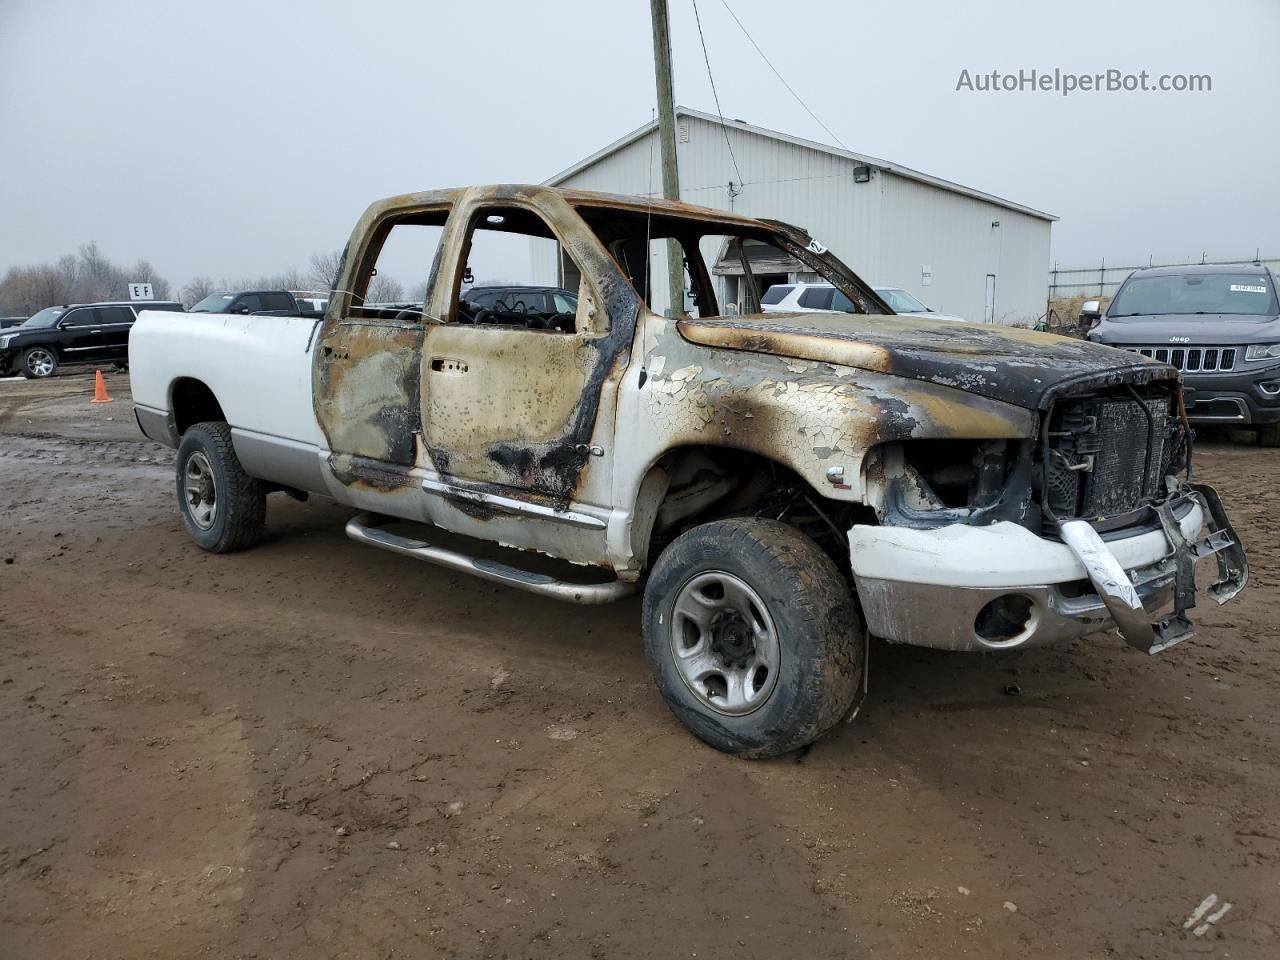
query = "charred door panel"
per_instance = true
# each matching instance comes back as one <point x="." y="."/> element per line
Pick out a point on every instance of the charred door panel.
<point x="500" y="404"/>
<point x="368" y="390"/>
<point x="527" y="412"/>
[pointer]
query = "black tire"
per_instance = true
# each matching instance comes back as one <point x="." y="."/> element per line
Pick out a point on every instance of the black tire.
<point x="813" y="613"/>
<point x="1269" y="435"/>
<point x="239" y="502"/>
<point x="39" y="363"/>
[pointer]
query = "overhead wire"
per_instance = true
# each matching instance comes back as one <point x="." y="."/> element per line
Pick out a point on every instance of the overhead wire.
<point x="777" y="74"/>
<point x="715" y="95"/>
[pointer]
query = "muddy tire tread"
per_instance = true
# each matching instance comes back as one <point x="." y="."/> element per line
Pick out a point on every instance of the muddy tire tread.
<point x="821" y="627"/>
<point x="243" y="499"/>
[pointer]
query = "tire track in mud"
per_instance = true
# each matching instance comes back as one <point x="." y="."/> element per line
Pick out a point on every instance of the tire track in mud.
<point x="54" y="450"/>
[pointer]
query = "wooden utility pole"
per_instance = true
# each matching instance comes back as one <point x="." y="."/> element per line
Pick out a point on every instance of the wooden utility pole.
<point x="667" y="138"/>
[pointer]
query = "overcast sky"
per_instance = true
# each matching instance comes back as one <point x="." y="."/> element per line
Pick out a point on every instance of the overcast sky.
<point x="237" y="138"/>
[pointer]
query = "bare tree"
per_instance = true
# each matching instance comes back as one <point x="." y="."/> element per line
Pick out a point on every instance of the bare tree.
<point x="99" y="278"/>
<point x="324" y="270"/>
<point x="143" y="272"/>
<point x="385" y="289"/>
<point x="195" y="290"/>
<point x="291" y="279"/>
<point x="83" y="277"/>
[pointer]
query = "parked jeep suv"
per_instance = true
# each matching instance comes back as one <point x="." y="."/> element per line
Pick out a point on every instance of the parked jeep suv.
<point x="1219" y="325"/>
<point x="73" y="333"/>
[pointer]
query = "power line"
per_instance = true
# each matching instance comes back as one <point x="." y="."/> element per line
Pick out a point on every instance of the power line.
<point x="716" y="96"/>
<point x="779" y="76"/>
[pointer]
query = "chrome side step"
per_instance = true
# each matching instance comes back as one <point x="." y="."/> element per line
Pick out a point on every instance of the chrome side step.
<point x="364" y="529"/>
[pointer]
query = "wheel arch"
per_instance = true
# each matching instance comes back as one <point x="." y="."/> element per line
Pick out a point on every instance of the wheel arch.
<point x="192" y="401"/>
<point x="664" y="479"/>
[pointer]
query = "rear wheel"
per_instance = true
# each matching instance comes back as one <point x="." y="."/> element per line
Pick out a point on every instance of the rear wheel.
<point x="39" y="362"/>
<point x="1269" y="435"/>
<point x="753" y="636"/>
<point x="224" y="508"/>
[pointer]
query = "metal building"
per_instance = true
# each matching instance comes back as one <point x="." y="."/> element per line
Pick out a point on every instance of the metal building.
<point x="959" y="250"/>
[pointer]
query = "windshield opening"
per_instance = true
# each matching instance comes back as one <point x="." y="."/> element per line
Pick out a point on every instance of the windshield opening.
<point x="45" y="318"/>
<point x="214" y="303"/>
<point x="729" y="267"/>
<point x="1237" y="294"/>
<point x="901" y="301"/>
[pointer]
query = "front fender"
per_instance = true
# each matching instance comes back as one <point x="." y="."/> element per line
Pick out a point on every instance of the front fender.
<point x="810" y="416"/>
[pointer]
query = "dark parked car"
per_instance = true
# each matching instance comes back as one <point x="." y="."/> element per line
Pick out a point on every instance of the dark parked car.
<point x="73" y="333"/>
<point x="278" y="303"/>
<point x="1219" y="325"/>
<point x="7" y="322"/>
<point x="550" y="308"/>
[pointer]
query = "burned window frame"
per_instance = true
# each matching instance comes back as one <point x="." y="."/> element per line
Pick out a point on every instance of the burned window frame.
<point x="663" y="223"/>
<point x="588" y="320"/>
<point x="350" y="302"/>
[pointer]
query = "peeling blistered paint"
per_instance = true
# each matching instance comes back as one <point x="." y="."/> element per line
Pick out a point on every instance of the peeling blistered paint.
<point x="808" y="417"/>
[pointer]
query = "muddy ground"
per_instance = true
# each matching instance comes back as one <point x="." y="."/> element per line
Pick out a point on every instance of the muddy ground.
<point x="316" y="749"/>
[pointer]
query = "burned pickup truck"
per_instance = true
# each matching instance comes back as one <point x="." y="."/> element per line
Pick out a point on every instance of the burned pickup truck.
<point x="780" y="486"/>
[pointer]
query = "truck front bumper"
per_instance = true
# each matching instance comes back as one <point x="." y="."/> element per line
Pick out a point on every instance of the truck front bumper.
<point x="1000" y="586"/>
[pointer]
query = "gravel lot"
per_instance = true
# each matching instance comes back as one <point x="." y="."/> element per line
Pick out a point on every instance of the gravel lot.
<point x="317" y="749"/>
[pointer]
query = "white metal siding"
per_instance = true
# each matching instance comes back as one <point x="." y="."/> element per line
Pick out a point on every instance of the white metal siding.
<point x="886" y="230"/>
<point x="953" y="235"/>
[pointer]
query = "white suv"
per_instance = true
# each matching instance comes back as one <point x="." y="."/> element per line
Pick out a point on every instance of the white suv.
<point x="823" y="297"/>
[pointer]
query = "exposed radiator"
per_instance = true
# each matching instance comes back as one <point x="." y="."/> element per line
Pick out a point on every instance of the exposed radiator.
<point x="1106" y="457"/>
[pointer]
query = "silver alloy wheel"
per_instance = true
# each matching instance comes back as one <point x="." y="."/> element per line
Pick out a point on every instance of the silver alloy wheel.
<point x="40" y="362"/>
<point x="724" y="643"/>
<point x="202" y="499"/>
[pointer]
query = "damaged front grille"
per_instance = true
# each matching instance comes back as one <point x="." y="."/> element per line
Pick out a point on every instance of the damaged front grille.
<point x="1106" y="455"/>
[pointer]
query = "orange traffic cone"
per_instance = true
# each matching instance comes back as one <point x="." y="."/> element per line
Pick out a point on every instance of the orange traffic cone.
<point x="100" y="389"/>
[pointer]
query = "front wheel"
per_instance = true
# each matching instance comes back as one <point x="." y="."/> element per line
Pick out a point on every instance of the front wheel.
<point x="223" y="508"/>
<point x="39" y="362"/>
<point x="1269" y="435"/>
<point x="753" y="636"/>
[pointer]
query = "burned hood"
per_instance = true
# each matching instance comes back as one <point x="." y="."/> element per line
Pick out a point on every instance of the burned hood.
<point x="1010" y="364"/>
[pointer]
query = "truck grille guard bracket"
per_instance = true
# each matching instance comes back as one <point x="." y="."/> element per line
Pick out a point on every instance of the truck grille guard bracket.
<point x="1121" y="598"/>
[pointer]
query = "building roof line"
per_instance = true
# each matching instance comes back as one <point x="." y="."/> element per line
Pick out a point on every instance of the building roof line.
<point x="894" y="168"/>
